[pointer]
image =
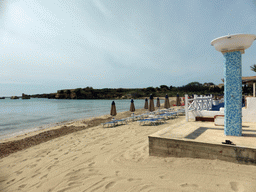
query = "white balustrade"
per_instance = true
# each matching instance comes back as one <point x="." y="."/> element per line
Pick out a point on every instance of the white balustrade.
<point x="198" y="103"/>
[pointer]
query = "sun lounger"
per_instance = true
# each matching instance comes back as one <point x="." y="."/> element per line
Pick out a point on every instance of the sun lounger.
<point x="152" y="121"/>
<point x="181" y="111"/>
<point x="121" y="121"/>
<point x="135" y="118"/>
<point x="168" y="115"/>
<point x="110" y="124"/>
<point x="115" y="123"/>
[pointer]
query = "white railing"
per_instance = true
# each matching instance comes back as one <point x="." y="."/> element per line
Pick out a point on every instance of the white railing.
<point x="198" y="103"/>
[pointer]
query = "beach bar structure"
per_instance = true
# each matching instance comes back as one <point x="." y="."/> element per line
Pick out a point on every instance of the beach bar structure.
<point x="250" y="81"/>
<point x="232" y="47"/>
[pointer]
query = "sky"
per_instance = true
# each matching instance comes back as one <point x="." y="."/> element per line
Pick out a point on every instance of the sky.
<point x="48" y="45"/>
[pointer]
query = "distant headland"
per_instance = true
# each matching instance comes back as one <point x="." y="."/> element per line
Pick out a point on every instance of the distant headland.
<point x="128" y="93"/>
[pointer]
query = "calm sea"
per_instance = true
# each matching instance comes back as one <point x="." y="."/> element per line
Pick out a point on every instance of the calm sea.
<point x="21" y="116"/>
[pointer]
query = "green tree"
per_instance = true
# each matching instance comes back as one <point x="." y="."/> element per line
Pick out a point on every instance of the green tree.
<point x="253" y="67"/>
<point x="164" y="87"/>
<point x="150" y="89"/>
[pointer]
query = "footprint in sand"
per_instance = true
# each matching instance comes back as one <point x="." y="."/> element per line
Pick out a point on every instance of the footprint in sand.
<point x="56" y="162"/>
<point x="32" y="166"/>
<point x="36" y="175"/>
<point x="131" y="179"/>
<point x="74" y="183"/>
<point x="91" y="170"/>
<point x="235" y="186"/>
<point x="49" y="168"/>
<point x="91" y="164"/>
<point x="109" y="185"/>
<point x="3" y="180"/>
<point x="10" y="181"/>
<point x="22" y="186"/>
<point x="45" y="176"/>
<point x="74" y="173"/>
<point x="189" y="185"/>
<point x="21" y="179"/>
<point x="37" y="170"/>
<point x="18" y="172"/>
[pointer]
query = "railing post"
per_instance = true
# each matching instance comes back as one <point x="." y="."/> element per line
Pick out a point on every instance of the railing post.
<point x="195" y="102"/>
<point x="211" y="101"/>
<point x="186" y="106"/>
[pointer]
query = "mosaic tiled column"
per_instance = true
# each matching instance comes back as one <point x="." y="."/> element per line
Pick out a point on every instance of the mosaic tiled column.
<point x="233" y="93"/>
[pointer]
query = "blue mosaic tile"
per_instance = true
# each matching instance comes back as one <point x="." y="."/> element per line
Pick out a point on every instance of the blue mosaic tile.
<point x="233" y="93"/>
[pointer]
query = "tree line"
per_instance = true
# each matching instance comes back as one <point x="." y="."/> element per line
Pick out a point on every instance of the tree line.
<point x="124" y="93"/>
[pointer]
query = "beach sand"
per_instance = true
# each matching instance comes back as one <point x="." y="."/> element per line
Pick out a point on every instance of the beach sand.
<point x="115" y="159"/>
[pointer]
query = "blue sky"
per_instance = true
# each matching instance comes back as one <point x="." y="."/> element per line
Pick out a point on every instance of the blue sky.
<point x="48" y="45"/>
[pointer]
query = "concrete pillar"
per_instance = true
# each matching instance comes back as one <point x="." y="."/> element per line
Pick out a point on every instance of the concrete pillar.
<point x="233" y="93"/>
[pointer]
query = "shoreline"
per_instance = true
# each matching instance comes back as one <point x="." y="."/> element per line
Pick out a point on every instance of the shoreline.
<point x="45" y="127"/>
<point x="27" y="140"/>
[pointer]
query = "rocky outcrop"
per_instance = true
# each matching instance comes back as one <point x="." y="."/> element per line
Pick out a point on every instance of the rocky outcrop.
<point x="60" y="96"/>
<point x="24" y="96"/>
<point x="14" y="97"/>
<point x="49" y="95"/>
<point x="73" y="95"/>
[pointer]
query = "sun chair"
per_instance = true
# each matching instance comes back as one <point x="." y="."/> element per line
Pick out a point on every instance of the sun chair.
<point x="181" y="111"/>
<point x="174" y="114"/>
<point x="166" y="115"/>
<point x="121" y="121"/>
<point x="110" y="124"/>
<point x="114" y="123"/>
<point x="152" y="121"/>
<point x="135" y="118"/>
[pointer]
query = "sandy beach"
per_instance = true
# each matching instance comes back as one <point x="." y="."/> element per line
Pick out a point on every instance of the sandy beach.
<point x="93" y="158"/>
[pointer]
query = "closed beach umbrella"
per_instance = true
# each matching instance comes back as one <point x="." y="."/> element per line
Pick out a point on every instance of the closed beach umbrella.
<point x="166" y="102"/>
<point x="132" y="107"/>
<point x="178" y="100"/>
<point x="158" y="102"/>
<point x="113" y="109"/>
<point x="151" y="104"/>
<point x="146" y="104"/>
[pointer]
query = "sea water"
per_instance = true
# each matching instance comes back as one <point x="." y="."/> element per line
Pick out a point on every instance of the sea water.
<point x="19" y="116"/>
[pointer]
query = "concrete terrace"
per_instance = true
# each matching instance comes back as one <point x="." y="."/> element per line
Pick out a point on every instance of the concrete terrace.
<point x="204" y="140"/>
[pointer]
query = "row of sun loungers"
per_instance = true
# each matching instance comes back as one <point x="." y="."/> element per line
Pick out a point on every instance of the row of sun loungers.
<point x="152" y="118"/>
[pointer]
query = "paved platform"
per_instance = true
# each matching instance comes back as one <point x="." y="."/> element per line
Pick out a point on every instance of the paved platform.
<point x="204" y="140"/>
